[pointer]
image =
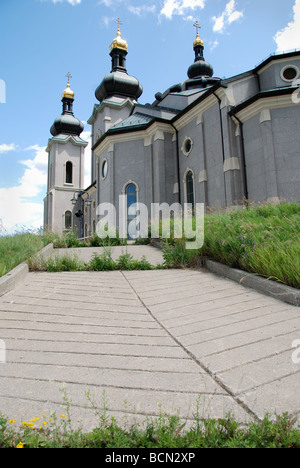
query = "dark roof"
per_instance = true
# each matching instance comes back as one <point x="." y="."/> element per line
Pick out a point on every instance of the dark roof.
<point x="135" y="120"/>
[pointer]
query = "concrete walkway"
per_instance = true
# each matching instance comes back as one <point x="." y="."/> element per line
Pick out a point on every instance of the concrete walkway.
<point x="151" y="340"/>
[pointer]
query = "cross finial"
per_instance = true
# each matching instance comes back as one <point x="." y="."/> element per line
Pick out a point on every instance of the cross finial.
<point x="197" y="26"/>
<point x="68" y="75"/>
<point x="119" y="23"/>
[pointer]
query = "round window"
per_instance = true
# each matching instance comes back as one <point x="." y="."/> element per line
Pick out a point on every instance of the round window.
<point x="104" y="169"/>
<point x="290" y="73"/>
<point x="187" y="146"/>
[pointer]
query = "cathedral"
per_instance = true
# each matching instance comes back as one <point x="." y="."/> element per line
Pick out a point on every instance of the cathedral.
<point x="220" y="142"/>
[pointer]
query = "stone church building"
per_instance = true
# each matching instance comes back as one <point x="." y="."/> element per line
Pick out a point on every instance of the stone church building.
<point x="204" y="140"/>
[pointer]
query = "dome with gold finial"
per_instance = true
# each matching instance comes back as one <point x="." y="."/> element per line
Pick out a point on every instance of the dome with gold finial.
<point x="198" y="41"/>
<point x="118" y="42"/>
<point x="118" y="82"/>
<point x="68" y="93"/>
<point x="67" y="123"/>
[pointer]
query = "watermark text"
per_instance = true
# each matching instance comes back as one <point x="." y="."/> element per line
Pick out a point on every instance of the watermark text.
<point x="2" y="352"/>
<point x="296" y="93"/>
<point x="296" y="353"/>
<point x="2" y="92"/>
<point x="164" y="221"/>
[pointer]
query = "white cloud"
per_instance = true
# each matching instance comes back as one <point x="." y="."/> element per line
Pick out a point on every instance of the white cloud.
<point x="180" y="7"/>
<point x="142" y="10"/>
<point x="213" y="45"/>
<point x="6" y="148"/>
<point x="16" y="205"/>
<point x="72" y="2"/>
<point x="229" y="15"/>
<point x="289" y="37"/>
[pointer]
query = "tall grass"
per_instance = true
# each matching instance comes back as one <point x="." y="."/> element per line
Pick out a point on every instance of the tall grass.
<point x="19" y="248"/>
<point x="263" y="239"/>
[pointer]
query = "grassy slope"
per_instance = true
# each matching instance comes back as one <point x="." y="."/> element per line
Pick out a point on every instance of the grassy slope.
<point x="17" y="249"/>
<point x="263" y="240"/>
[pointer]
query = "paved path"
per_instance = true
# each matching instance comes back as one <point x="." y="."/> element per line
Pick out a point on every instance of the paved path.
<point x="150" y="340"/>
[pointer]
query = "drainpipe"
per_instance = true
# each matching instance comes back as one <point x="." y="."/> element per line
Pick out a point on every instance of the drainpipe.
<point x="178" y="163"/>
<point x="243" y="159"/>
<point x="222" y="137"/>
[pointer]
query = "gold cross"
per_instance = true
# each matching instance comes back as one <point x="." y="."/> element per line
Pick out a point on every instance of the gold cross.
<point x="119" y="22"/>
<point x="197" y="26"/>
<point x="68" y="75"/>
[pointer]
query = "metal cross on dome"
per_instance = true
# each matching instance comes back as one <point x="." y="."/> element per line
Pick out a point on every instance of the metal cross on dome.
<point x="68" y="75"/>
<point x="119" y="23"/>
<point x="197" y="26"/>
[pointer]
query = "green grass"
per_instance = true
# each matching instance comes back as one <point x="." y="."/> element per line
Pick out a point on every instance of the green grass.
<point x="70" y="240"/>
<point x="102" y="262"/>
<point x="163" y="432"/>
<point x="20" y="248"/>
<point x="263" y="239"/>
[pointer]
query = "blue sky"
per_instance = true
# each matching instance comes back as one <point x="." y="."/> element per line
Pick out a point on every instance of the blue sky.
<point x="42" y="40"/>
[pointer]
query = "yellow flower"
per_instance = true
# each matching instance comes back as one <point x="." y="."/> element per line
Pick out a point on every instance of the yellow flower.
<point x="20" y="445"/>
<point x="24" y="423"/>
<point x="45" y="424"/>
<point x="12" y="421"/>
<point x="62" y="415"/>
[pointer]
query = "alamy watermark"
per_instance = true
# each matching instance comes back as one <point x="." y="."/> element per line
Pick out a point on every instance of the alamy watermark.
<point x="2" y="92"/>
<point x="164" y="221"/>
<point x="296" y="353"/>
<point x="2" y="352"/>
<point x="296" y="93"/>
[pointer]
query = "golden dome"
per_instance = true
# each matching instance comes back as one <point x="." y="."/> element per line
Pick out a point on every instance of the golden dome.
<point x="198" y="41"/>
<point x="118" y="42"/>
<point x="68" y="93"/>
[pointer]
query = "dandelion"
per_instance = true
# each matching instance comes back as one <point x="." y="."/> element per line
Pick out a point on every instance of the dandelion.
<point x="12" y="421"/>
<point x="20" y="445"/>
<point x="45" y="423"/>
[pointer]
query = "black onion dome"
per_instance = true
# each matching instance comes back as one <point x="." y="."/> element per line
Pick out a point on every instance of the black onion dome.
<point x="67" y="123"/>
<point x="200" y="68"/>
<point x="119" y="83"/>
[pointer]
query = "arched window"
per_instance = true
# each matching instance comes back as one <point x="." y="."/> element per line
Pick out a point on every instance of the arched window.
<point x="190" y="196"/>
<point x="68" y="220"/>
<point x="131" y="194"/>
<point x="69" y="173"/>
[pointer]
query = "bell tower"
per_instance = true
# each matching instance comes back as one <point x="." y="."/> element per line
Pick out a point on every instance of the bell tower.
<point x="65" y="167"/>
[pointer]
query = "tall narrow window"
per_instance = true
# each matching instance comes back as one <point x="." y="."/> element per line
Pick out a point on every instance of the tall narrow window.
<point x="69" y="173"/>
<point x="190" y="189"/>
<point x="68" y="220"/>
<point x="131" y="200"/>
